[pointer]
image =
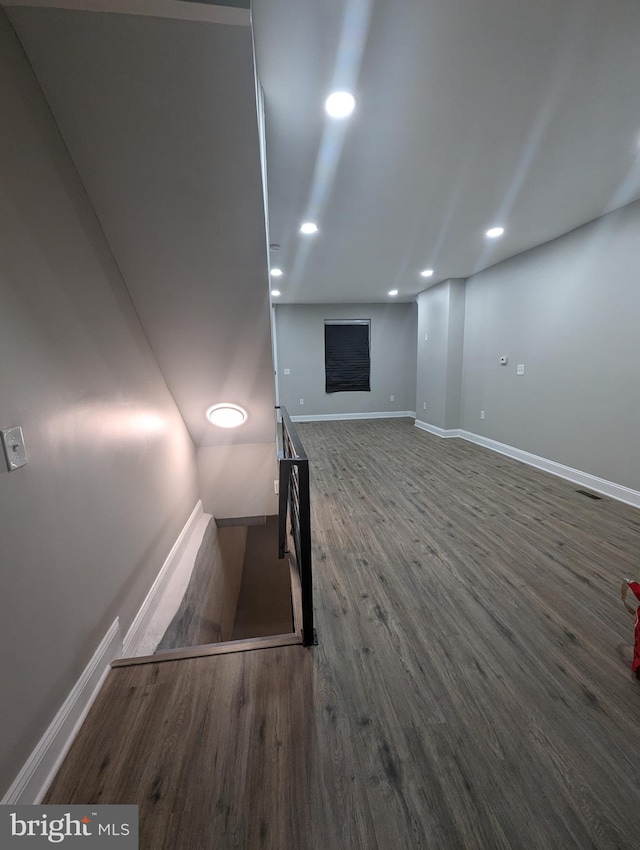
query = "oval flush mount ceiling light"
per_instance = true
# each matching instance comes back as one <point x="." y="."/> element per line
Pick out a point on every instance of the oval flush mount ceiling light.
<point x="340" y="104"/>
<point x="427" y="272"/>
<point x="393" y="292"/>
<point x="227" y="415"/>
<point x="276" y="272"/>
<point x="494" y="232"/>
<point x="275" y="293"/>
<point x="308" y="228"/>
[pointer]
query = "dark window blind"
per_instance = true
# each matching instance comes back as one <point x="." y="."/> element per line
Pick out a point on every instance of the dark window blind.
<point x="346" y="357"/>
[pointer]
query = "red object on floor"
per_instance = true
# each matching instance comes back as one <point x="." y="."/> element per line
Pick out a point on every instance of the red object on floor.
<point x="634" y="587"/>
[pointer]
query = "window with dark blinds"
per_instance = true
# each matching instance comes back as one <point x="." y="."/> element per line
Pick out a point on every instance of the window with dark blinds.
<point x="347" y="363"/>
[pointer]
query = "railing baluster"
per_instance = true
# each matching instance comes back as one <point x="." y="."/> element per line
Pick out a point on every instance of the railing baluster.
<point x="283" y="498"/>
<point x="294" y="501"/>
<point x="306" y="577"/>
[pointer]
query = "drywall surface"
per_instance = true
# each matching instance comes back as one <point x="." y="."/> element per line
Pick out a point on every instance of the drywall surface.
<point x="165" y="138"/>
<point x="300" y="346"/>
<point x="455" y="349"/>
<point x="111" y="478"/>
<point x="237" y="481"/>
<point x="439" y="354"/>
<point x="568" y="311"/>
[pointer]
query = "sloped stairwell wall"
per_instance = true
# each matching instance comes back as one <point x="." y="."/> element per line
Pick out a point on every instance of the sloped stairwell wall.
<point x="111" y="478"/>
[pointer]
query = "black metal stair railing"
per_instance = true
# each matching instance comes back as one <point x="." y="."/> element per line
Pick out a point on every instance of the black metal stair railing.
<point x="295" y="520"/>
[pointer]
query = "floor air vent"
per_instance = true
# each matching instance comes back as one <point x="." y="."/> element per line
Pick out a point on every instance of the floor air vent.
<point x="588" y="494"/>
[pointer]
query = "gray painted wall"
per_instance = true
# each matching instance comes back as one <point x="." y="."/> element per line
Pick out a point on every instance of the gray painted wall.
<point x="439" y="356"/>
<point x="165" y="138"/>
<point x="569" y="311"/>
<point x="237" y="481"/>
<point x="300" y="348"/>
<point x="111" y="478"/>
<point x="455" y="346"/>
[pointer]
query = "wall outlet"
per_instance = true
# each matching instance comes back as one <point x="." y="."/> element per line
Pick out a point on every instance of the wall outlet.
<point x="520" y="369"/>
<point x="276" y="486"/>
<point x="14" y="450"/>
<point x="392" y="398"/>
<point x="301" y="401"/>
<point x="424" y="405"/>
<point x="482" y="414"/>
<point x="287" y="371"/>
<point x="426" y="337"/>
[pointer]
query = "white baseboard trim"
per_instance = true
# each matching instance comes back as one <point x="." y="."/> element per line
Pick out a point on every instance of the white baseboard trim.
<point x="146" y="611"/>
<point x="37" y="774"/>
<point x="576" y="476"/>
<point x="434" y="429"/>
<point x="167" y="601"/>
<point x="334" y="417"/>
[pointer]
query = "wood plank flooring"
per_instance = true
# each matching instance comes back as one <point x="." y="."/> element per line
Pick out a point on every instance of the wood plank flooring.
<point x="466" y="692"/>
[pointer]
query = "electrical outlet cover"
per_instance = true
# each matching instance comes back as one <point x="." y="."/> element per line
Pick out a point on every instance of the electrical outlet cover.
<point x="14" y="450"/>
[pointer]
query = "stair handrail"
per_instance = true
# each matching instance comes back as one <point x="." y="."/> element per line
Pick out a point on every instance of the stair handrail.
<point x="295" y="506"/>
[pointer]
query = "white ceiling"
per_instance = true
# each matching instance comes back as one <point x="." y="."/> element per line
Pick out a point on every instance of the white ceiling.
<point x="159" y="115"/>
<point x="470" y="113"/>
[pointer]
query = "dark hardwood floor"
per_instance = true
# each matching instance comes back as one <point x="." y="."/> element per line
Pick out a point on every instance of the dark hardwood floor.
<point x="466" y="692"/>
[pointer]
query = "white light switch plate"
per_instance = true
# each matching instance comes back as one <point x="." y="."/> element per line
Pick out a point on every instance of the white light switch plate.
<point x="14" y="450"/>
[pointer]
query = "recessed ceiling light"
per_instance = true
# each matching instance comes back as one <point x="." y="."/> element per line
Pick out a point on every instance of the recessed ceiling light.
<point x="227" y="415"/>
<point x="276" y="272"/>
<point x="275" y="292"/>
<point x="426" y="272"/>
<point x="494" y="232"/>
<point x="393" y="292"/>
<point x="308" y="227"/>
<point x="340" y="104"/>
